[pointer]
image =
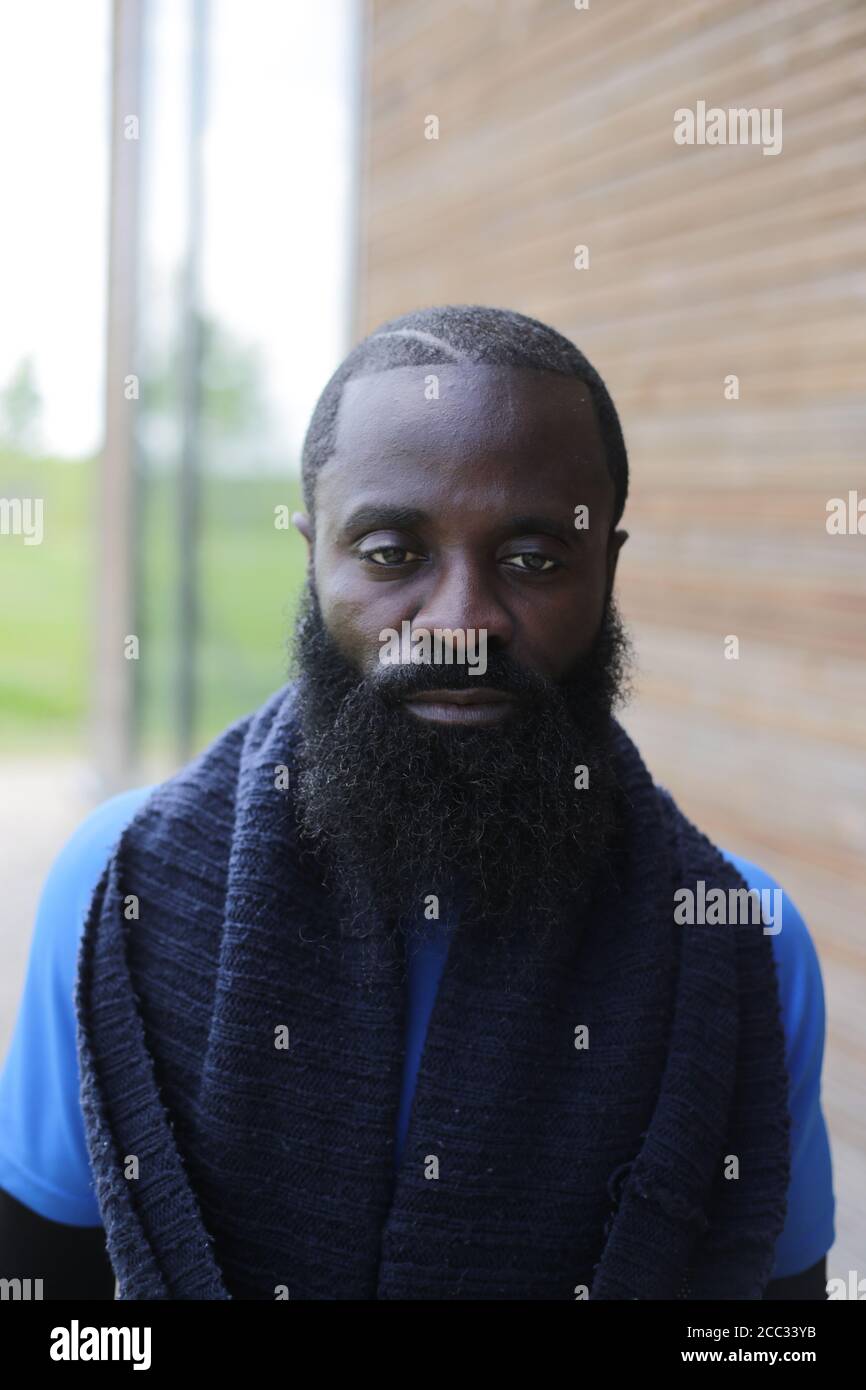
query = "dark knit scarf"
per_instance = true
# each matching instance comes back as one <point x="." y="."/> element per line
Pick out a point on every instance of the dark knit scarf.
<point x="227" y="1166"/>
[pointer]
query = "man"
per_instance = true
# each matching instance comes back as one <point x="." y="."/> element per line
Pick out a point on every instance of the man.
<point x="387" y="994"/>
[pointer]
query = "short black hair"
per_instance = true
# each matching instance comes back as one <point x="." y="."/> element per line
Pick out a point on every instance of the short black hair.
<point x="463" y="333"/>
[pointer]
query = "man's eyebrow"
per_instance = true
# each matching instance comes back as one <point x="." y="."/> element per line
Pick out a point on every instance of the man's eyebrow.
<point x="545" y="525"/>
<point x="373" y="516"/>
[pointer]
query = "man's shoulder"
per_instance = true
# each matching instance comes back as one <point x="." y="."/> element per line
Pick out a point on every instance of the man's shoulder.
<point x="801" y="986"/>
<point x="792" y="941"/>
<point x="43" y="1154"/>
<point x="809" y="1230"/>
<point x="214" y="773"/>
<point x="69" y="885"/>
<point x="77" y="867"/>
<point x="75" y="871"/>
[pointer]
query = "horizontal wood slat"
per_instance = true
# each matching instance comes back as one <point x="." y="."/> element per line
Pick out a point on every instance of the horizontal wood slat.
<point x="556" y="129"/>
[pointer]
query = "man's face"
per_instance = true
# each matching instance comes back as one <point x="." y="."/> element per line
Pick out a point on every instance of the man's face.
<point x="459" y="513"/>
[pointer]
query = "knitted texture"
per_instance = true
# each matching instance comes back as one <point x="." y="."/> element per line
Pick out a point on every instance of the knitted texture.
<point x="228" y="1166"/>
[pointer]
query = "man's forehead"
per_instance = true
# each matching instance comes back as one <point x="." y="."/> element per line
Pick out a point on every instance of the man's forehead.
<point x="458" y="406"/>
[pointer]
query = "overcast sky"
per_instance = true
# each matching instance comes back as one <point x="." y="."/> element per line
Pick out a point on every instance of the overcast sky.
<point x="279" y="159"/>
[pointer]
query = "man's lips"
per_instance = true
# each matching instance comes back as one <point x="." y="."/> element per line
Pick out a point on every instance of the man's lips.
<point x="483" y="705"/>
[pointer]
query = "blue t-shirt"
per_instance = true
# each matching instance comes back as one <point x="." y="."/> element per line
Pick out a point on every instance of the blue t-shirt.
<point x="43" y="1153"/>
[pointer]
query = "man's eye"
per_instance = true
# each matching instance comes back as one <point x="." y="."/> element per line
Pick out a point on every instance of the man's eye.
<point x="394" y="555"/>
<point x="532" y="555"/>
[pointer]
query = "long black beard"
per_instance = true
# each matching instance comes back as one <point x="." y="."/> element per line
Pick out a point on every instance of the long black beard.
<point x="413" y="820"/>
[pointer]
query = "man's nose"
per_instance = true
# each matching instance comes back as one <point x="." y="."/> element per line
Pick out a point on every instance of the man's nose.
<point x="465" y="595"/>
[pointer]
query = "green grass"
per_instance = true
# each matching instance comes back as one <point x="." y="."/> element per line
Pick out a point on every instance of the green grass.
<point x="45" y="600"/>
<point x="250" y="575"/>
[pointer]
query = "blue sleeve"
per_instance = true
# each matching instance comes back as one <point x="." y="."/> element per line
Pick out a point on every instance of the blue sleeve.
<point x="43" y="1154"/>
<point x="809" y="1230"/>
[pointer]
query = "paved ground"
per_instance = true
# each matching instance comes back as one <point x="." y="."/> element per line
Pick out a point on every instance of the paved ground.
<point x="40" y="806"/>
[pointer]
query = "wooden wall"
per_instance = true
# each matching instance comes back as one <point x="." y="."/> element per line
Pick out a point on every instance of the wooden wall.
<point x="556" y="128"/>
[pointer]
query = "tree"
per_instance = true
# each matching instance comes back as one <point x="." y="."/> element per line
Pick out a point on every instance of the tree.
<point x="21" y="408"/>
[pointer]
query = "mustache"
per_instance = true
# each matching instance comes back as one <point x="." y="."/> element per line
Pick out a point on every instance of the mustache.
<point x="393" y="683"/>
<point x="597" y="681"/>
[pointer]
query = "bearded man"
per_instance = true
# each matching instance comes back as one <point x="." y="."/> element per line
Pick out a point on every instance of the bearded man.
<point x="383" y="995"/>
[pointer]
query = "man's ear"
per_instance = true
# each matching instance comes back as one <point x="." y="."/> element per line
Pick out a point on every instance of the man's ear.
<point x="616" y="541"/>
<point x="301" y="522"/>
